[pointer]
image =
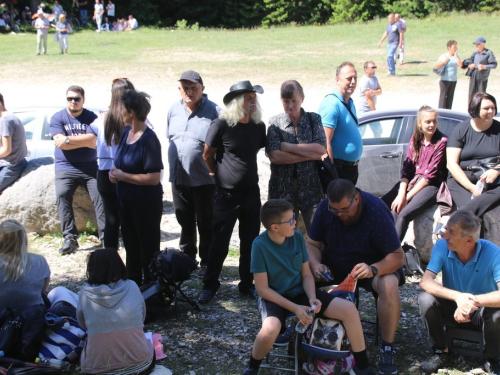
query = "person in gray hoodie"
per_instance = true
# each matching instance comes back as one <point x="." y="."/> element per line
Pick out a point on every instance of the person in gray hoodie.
<point x="112" y="310"/>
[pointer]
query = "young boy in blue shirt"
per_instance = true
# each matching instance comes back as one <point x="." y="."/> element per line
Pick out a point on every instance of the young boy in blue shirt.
<point x="284" y="282"/>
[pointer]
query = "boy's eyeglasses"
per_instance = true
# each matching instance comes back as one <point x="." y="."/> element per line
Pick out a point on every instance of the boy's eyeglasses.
<point x="290" y="222"/>
<point x="340" y="212"/>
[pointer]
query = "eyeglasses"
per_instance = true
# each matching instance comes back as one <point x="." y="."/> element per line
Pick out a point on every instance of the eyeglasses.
<point x="290" y="222"/>
<point x="74" y="99"/>
<point x="340" y="212"/>
<point x="119" y="79"/>
<point x="373" y="67"/>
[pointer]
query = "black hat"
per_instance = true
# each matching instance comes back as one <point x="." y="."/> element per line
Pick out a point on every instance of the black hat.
<point x="191" y="76"/>
<point x="241" y="88"/>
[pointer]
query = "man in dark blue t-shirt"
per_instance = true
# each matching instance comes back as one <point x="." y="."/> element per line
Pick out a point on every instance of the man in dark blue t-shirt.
<point x="359" y="237"/>
<point x="76" y="163"/>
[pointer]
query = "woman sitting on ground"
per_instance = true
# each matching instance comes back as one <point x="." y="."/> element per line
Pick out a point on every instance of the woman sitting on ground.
<point x="24" y="276"/>
<point x="473" y="140"/>
<point x="112" y="310"/>
<point x="423" y="171"/>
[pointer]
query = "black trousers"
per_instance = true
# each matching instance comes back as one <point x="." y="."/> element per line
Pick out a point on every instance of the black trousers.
<point x="446" y="93"/>
<point x="141" y="236"/>
<point x="476" y="83"/>
<point x="422" y="200"/>
<point x="66" y="184"/>
<point x="229" y="206"/>
<point x="479" y="205"/>
<point x="436" y="313"/>
<point x="347" y="172"/>
<point x="107" y="190"/>
<point x="193" y="207"/>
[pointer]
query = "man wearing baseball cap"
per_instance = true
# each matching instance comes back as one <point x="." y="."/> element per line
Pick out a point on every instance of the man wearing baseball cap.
<point x="483" y="60"/>
<point x="192" y="186"/>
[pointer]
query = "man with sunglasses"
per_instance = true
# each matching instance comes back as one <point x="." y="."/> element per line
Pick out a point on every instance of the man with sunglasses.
<point x="75" y="162"/>
<point x="366" y="97"/>
<point x="353" y="232"/>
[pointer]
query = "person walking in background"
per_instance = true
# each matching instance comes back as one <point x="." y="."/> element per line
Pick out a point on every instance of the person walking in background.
<point x="483" y="60"/>
<point x="98" y="12"/>
<point x="231" y="146"/>
<point x="394" y="34"/>
<point x="57" y="9"/>
<point x="62" y="28"/>
<point x="110" y="11"/>
<point x="193" y="188"/>
<point x="82" y="5"/>
<point x="340" y="122"/>
<point x="136" y="172"/>
<point x="295" y="141"/>
<point x="448" y="80"/>
<point x="400" y="53"/>
<point x="42" y="26"/>
<point x="109" y="130"/>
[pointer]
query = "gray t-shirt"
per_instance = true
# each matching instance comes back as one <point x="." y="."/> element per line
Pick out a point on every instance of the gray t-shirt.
<point x="27" y="291"/>
<point x="11" y="126"/>
<point x="393" y="30"/>
<point x="360" y="98"/>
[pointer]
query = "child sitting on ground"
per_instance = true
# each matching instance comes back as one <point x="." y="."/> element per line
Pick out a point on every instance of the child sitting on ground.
<point x="280" y="264"/>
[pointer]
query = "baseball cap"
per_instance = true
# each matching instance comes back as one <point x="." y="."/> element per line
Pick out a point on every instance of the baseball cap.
<point x="191" y="76"/>
<point x="479" y="40"/>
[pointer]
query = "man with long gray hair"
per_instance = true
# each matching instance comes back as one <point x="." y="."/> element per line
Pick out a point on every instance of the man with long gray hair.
<point x="231" y="146"/>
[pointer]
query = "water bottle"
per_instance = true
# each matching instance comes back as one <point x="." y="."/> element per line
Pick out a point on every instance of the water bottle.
<point x="53" y="363"/>
<point x="478" y="189"/>
<point x="301" y="328"/>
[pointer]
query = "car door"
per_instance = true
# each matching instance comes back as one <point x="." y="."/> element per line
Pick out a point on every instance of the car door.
<point x="37" y="128"/>
<point x="383" y="152"/>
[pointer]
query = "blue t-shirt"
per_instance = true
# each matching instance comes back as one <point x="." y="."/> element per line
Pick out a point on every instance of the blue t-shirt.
<point x="368" y="240"/>
<point x="142" y="156"/>
<point x="282" y="263"/>
<point x="479" y="275"/>
<point x="79" y="159"/>
<point x="347" y="143"/>
<point x="393" y="31"/>
<point x="450" y="71"/>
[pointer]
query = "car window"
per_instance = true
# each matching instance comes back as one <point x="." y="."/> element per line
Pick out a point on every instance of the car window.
<point x="381" y="132"/>
<point x="28" y="119"/>
<point x="446" y="125"/>
<point x="46" y="136"/>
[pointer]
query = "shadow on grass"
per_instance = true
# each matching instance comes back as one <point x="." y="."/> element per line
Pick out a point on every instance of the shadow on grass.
<point x="413" y="75"/>
<point x="415" y="62"/>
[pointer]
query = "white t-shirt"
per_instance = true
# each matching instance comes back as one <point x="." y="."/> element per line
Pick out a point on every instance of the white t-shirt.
<point x="360" y="98"/>
<point x="99" y="9"/>
<point x="111" y="10"/>
<point x="132" y="23"/>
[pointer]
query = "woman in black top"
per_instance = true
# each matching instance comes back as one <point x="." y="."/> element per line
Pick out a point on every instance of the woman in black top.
<point x="137" y="174"/>
<point x="473" y="140"/>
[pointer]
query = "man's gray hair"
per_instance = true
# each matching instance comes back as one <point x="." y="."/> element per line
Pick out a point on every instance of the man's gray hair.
<point x="469" y="224"/>
<point x="235" y="111"/>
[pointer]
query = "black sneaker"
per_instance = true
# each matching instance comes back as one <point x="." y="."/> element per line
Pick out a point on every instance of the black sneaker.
<point x="284" y="338"/>
<point x="250" y="371"/>
<point x="250" y="292"/>
<point x="69" y="246"/>
<point x="206" y="296"/>
<point x="386" y="365"/>
<point x="435" y="362"/>
<point x="492" y="367"/>
<point x="366" y="371"/>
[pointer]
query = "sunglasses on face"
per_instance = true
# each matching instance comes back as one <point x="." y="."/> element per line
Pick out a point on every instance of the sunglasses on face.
<point x="290" y="222"/>
<point x="74" y="99"/>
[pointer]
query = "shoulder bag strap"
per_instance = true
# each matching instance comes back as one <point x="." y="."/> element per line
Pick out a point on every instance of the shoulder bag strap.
<point x="348" y="108"/>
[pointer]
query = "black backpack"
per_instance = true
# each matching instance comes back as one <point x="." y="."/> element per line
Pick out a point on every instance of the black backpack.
<point x="412" y="261"/>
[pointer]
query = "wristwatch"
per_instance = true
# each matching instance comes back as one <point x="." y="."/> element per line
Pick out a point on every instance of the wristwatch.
<point x="66" y="140"/>
<point x="374" y="270"/>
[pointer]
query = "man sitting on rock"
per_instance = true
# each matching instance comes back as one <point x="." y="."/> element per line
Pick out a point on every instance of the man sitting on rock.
<point x="358" y="234"/>
<point x="469" y="296"/>
<point x="13" y="148"/>
<point x="76" y="163"/>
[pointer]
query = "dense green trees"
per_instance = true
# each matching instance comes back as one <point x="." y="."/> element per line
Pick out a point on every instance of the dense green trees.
<point x="251" y="13"/>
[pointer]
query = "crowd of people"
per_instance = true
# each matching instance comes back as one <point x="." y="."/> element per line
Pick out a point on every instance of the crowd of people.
<point x="214" y="179"/>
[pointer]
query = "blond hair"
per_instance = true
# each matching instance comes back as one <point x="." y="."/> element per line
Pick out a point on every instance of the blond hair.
<point x="235" y="111"/>
<point x="14" y="256"/>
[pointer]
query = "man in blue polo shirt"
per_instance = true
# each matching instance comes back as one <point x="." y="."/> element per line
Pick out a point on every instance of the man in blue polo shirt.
<point x="76" y="163"/>
<point x="469" y="296"/>
<point x="192" y="186"/>
<point x="358" y="236"/>
<point x="338" y="115"/>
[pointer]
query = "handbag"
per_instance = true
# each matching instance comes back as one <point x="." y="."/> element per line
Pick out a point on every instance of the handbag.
<point x="480" y="166"/>
<point x="64" y="342"/>
<point x="440" y="71"/>
<point x="10" y="330"/>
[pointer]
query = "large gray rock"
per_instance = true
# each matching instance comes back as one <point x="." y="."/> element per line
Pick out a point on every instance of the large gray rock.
<point x="420" y="230"/>
<point x="32" y="200"/>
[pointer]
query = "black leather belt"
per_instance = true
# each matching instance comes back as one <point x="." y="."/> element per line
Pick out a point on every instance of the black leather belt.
<point x="345" y="163"/>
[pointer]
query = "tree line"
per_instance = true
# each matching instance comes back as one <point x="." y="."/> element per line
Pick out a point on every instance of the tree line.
<point x="232" y="14"/>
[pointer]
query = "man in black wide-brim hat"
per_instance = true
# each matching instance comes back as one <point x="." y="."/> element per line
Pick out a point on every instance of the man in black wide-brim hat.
<point x="231" y="147"/>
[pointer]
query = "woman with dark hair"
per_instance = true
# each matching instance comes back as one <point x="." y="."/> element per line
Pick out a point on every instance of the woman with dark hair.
<point x="136" y="172"/>
<point x="110" y="126"/>
<point x="295" y="140"/>
<point x="112" y="310"/>
<point x="422" y="173"/>
<point x="473" y="140"/>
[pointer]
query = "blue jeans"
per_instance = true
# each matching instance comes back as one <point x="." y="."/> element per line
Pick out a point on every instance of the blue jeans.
<point x="8" y="175"/>
<point x="84" y="17"/>
<point x="391" y="49"/>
